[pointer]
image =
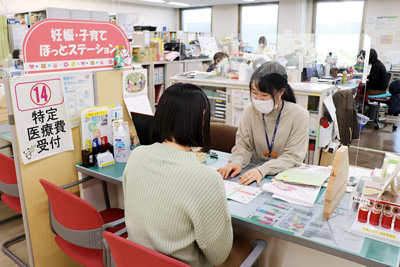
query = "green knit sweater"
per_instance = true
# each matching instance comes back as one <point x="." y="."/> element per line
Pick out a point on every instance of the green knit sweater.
<point x="176" y="206"/>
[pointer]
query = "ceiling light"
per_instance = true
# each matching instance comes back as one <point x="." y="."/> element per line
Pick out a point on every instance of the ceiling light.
<point x="154" y="1"/>
<point x="177" y="4"/>
<point x="249" y="0"/>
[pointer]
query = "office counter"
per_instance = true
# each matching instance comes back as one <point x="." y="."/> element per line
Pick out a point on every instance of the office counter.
<point x="292" y="223"/>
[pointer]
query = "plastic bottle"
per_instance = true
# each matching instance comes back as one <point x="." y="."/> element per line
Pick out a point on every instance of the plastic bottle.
<point x="122" y="142"/>
<point x="344" y="77"/>
<point x="351" y="71"/>
<point x="225" y="67"/>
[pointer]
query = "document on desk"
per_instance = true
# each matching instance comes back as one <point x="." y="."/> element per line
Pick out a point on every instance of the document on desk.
<point x="241" y="193"/>
<point x="296" y="194"/>
<point x="306" y="174"/>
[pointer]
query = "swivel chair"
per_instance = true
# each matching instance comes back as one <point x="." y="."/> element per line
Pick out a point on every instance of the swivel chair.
<point x="78" y="226"/>
<point x="223" y="136"/>
<point x="10" y="197"/>
<point x="125" y="252"/>
<point x="381" y="99"/>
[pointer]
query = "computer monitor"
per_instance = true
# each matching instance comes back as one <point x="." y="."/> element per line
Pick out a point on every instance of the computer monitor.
<point x="319" y="71"/>
<point x="142" y="124"/>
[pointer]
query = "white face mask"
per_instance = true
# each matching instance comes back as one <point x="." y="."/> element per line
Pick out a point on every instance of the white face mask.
<point x="264" y="106"/>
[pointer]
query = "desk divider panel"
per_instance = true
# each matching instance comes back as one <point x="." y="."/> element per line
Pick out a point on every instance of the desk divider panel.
<point x="58" y="169"/>
<point x="108" y="85"/>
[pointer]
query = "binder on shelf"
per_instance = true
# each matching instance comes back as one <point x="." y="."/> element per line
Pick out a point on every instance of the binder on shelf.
<point x="312" y="149"/>
<point x="314" y="123"/>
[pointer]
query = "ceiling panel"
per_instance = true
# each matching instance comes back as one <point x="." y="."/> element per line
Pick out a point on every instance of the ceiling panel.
<point x="198" y="3"/>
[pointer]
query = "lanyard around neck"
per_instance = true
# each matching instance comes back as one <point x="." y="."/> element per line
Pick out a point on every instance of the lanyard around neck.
<point x="276" y="128"/>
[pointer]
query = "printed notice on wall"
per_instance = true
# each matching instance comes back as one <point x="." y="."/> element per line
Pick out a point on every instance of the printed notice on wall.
<point x="380" y="23"/>
<point x="77" y="89"/>
<point x="397" y="37"/>
<point x="371" y="21"/>
<point x="391" y="22"/>
<point x="134" y="87"/>
<point x="386" y="39"/>
<point x="40" y="117"/>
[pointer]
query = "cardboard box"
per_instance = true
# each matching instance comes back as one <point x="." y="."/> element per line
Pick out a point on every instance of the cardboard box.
<point x="327" y="158"/>
<point x="140" y="54"/>
<point x="4" y="64"/>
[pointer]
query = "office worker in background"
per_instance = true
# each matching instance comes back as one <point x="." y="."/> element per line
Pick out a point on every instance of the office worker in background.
<point x="262" y="46"/>
<point x="272" y="126"/>
<point x="17" y="59"/>
<point x="359" y="67"/>
<point x="174" y="204"/>
<point x="377" y="78"/>
<point x="218" y="57"/>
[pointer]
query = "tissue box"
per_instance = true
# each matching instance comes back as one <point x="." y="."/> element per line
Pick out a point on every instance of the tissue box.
<point x="140" y="54"/>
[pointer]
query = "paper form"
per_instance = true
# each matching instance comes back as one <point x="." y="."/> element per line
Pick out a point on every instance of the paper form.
<point x="309" y="176"/>
<point x="240" y="193"/>
<point x="296" y="194"/>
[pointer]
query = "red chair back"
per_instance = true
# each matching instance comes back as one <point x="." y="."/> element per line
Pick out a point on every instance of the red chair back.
<point x="127" y="253"/>
<point x="71" y="211"/>
<point x="7" y="167"/>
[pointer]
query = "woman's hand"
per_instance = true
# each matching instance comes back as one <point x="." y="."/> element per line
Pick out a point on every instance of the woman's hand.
<point x="251" y="176"/>
<point x="231" y="167"/>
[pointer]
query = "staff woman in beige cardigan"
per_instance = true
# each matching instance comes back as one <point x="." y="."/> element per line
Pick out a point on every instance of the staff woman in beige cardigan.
<point x="272" y="127"/>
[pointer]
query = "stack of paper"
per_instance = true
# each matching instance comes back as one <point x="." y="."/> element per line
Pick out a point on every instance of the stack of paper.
<point x="295" y="194"/>
<point x="300" y="185"/>
<point x="309" y="175"/>
<point x="240" y="193"/>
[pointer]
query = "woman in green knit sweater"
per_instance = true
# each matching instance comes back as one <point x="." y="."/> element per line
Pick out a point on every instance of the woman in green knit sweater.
<point x="174" y="204"/>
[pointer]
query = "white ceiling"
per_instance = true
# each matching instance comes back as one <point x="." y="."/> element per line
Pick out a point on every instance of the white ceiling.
<point x="197" y="3"/>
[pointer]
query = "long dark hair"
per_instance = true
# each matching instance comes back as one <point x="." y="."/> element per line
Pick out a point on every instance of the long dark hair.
<point x="183" y="116"/>
<point x="271" y="83"/>
<point x="373" y="56"/>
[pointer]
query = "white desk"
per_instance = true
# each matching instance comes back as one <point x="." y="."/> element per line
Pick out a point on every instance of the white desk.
<point x="320" y="242"/>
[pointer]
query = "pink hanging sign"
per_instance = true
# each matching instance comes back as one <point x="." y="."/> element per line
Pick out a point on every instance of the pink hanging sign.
<point x="55" y="45"/>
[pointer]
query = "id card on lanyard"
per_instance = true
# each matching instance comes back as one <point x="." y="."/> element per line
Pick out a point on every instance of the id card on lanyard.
<point x="269" y="154"/>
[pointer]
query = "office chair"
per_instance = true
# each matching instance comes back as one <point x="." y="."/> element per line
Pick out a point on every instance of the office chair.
<point x="124" y="252"/>
<point x="223" y="136"/>
<point x="10" y="197"/>
<point x="381" y="99"/>
<point x="394" y="103"/>
<point x="78" y="226"/>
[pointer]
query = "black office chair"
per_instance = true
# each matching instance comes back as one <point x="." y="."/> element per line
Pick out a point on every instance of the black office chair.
<point x="223" y="136"/>
<point x="394" y="103"/>
<point x="384" y="100"/>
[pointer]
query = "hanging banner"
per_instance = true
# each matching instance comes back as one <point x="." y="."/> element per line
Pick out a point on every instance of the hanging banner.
<point x="54" y="45"/>
<point x="40" y="117"/>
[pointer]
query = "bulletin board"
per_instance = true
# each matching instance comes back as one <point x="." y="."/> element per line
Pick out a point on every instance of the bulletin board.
<point x="382" y="24"/>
